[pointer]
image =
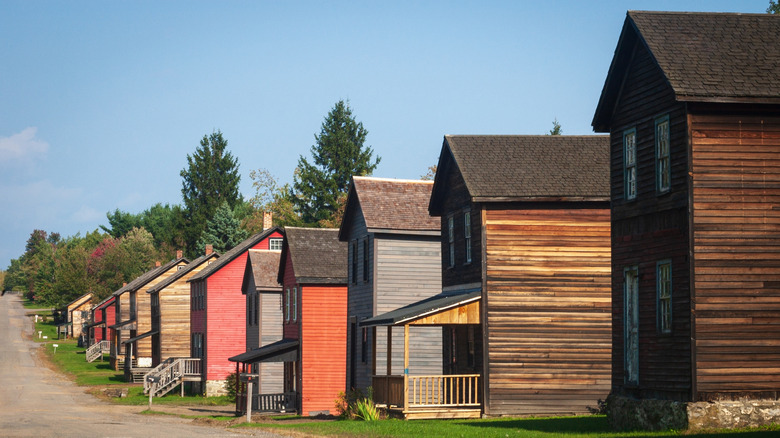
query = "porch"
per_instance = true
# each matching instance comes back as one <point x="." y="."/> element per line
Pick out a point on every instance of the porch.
<point x="452" y="395"/>
<point x="282" y="351"/>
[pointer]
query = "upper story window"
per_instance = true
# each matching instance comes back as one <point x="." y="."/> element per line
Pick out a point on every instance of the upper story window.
<point x="467" y="234"/>
<point x="663" y="168"/>
<point x="365" y="260"/>
<point x="275" y="243"/>
<point x="451" y="240"/>
<point x="295" y="304"/>
<point x="287" y="305"/>
<point x="257" y="308"/>
<point x="629" y="164"/>
<point x="353" y="249"/>
<point x="664" y="289"/>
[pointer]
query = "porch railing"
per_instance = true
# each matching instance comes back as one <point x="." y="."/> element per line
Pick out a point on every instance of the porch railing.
<point x="97" y="350"/>
<point x="284" y="402"/>
<point x="453" y="390"/>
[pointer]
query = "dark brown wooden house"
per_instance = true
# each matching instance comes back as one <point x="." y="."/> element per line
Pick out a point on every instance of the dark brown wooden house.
<point x="394" y="260"/>
<point x="525" y="302"/>
<point x="692" y="106"/>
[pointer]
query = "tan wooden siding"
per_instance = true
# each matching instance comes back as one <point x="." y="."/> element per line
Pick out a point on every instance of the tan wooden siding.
<point x="143" y="347"/>
<point x="548" y="310"/>
<point x="736" y="194"/>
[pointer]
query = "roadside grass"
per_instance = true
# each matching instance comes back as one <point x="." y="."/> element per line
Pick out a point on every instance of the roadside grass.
<point x="136" y="396"/>
<point x="560" y="427"/>
<point x="30" y="304"/>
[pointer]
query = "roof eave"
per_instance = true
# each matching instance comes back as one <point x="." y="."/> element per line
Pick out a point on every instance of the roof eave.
<point x="498" y="199"/>
<point x="431" y="232"/>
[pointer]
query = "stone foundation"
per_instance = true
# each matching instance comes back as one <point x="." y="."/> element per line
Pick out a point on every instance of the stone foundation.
<point x="626" y="413"/>
<point x="215" y="388"/>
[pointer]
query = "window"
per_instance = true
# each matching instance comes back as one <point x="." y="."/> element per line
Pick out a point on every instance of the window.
<point x="295" y="303"/>
<point x="354" y="262"/>
<point x="451" y="240"/>
<point x="467" y="234"/>
<point x="365" y="260"/>
<point x="287" y="305"/>
<point x="132" y="304"/>
<point x="275" y="244"/>
<point x="364" y="346"/>
<point x="664" y="288"/>
<point x="197" y="345"/>
<point x="249" y="304"/>
<point x="629" y="152"/>
<point x="662" y="162"/>
<point x="257" y="308"/>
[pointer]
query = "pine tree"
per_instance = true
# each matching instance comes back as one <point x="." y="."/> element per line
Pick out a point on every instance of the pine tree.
<point x="339" y="153"/>
<point x="223" y="231"/>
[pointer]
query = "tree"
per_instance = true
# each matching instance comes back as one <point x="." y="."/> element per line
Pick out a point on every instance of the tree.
<point x="121" y="222"/>
<point x="223" y="231"/>
<point x="210" y="179"/>
<point x="270" y="197"/>
<point x="774" y="7"/>
<point x="556" y="130"/>
<point x="166" y="223"/>
<point x="337" y="154"/>
<point x="430" y="175"/>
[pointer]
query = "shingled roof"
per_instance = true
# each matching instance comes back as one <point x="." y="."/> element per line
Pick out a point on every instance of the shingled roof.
<point x="390" y="206"/>
<point x="705" y="57"/>
<point x="231" y="255"/>
<point x="148" y="276"/>
<point x="512" y="168"/>
<point x="265" y="269"/>
<point x="182" y="272"/>
<point x="317" y="255"/>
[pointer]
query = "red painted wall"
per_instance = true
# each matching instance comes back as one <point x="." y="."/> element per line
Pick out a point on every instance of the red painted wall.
<point x="225" y="315"/>
<point x="323" y="322"/>
<point x="110" y="320"/>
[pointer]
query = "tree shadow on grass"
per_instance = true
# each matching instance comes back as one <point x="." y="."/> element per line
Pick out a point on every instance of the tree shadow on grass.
<point x="585" y="424"/>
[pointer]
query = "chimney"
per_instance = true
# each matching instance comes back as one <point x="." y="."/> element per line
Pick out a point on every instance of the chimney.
<point x="124" y="284"/>
<point x="209" y="249"/>
<point x="179" y="254"/>
<point x="157" y="264"/>
<point x="268" y="220"/>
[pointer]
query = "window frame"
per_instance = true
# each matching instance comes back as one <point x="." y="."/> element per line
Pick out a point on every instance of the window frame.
<point x="287" y="304"/>
<point x="630" y="180"/>
<point x="451" y="241"/>
<point x="663" y="287"/>
<point x="354" y="248"/>
<point x="365" y="260"/>
<point x="295" y="303"/>
<point x="467" y="235"/>
<point x="274" y="241"/>
<point x="663" y="159"/>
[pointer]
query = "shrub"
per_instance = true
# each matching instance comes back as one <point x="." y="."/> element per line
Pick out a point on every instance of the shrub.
<point x="354" y="405"/>
<point x="231" y="385"/>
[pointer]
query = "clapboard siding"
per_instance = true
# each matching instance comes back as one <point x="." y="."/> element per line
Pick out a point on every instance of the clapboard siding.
<point x="548" y="308"/>
<point x="736" y="238"/>
<point x="408" y="270"/>
<point x="457" y="201"/>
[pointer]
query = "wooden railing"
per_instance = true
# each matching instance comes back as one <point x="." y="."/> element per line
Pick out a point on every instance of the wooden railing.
<point x="169" y="375"/>
<point x="454" y="390"/>
<point x="284" y="402"/>
<point x="97" y="350"/>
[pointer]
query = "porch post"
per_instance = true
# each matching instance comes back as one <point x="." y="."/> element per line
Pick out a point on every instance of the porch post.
<point x="389" y="350"/>
<point x="406" y="367"/>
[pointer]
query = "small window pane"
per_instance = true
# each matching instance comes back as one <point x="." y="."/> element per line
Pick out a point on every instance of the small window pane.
<point x="664" y="285"/>
<point x="629" y="147"/>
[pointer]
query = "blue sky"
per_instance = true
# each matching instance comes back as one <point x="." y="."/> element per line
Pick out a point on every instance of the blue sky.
<point x="100" y="102"/>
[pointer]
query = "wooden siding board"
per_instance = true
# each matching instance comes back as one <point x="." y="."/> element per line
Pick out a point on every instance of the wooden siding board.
<point x="545" y="338"/>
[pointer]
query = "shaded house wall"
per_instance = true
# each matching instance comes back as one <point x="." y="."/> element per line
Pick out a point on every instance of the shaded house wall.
<point x="262" y="330"/>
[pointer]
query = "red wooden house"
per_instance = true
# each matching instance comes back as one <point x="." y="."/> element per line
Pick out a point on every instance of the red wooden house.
<point x="692" y="106"/>
<point x="313" y="273"/>
<point x="102" y="317"/>
<point x="218" y="310"/>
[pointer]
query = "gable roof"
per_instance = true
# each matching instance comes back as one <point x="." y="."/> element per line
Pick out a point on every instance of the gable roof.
<point x="181" y="272"/>
<point x="705" y="57"/>
<point x="231" y="255"/>
<point x="317" y="255"/>
<point x="390" y="206"/>
<point x="106" y="302"/>
<point x="512" y="168"/>
<point x="148" y="276"/>
<point x="264" y="265"/>
<point x="80" y="300"/>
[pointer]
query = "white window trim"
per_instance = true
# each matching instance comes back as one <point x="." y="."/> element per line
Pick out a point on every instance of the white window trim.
<point x="664" y="297"/>
<point x="663" y="160"/>
<point x="287" y="305"/>
<point x="630" y="180"/>
<point x="295" y="303"/>
<point x="467" y="235"/>
<point x="451" y="241"/>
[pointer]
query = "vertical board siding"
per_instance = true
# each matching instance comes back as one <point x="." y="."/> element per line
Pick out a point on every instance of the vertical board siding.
<point x="175" y="318"/>
<point x="143" y="305"/>
<point x="271" y="373"/>
<point x="408" y="270"/>
<point x="323" y="346"/>
<point x="360" y="301"/>
<point x="548" y="310"/>
<point x="736" y="234"/>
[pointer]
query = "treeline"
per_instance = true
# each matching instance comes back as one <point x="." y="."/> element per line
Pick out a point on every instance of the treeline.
<point x="54" y="270"/>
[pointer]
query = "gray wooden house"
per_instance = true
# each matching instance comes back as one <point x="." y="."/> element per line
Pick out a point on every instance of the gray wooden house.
<point x="394" y="260"/>
<point x="692" y="106"/>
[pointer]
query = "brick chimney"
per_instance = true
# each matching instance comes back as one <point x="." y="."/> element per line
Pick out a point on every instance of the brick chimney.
<point x="209" y="249"/>
<point x="268" y="220"/>
<point x="157" y="264"/>
<point x="179" y="254"/>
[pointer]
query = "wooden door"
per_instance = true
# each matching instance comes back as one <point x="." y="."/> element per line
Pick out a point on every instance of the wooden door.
<point x="631" y="334"/>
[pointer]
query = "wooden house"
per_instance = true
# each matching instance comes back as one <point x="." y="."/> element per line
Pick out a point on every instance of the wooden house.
<point x="102" y="317"/>
<point x="132" y="308"/>
<point x="692" y="106"/>
<point x="313" y="273"/>
<point x="78" y="312"/>
<point x="170" y="310"/>
<point x="218" y="310"/>
<point x="525" y="302"/>
<point x="394" y="259"/>
<point x="263" y="327"/>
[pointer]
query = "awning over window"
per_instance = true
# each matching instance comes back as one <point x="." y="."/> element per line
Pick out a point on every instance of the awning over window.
<point x="141" y="336"/>
<point x="428" y="309"/>
<point x="124" y="325"/>
<point x="285" y="350"/>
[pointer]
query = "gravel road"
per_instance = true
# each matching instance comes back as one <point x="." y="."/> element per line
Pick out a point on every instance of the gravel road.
<point x="37" y="402"/>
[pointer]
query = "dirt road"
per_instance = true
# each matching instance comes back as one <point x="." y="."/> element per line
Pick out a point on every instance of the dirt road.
<point x="37" y="402"/>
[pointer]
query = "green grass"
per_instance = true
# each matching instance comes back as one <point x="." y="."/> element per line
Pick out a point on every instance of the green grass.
<point x="135" y="396"/>
<point x="30" y="304"/>
<point x="563" y="427"/>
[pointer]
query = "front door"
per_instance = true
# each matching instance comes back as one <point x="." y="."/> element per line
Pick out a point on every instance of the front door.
<point x="631" y="318"/>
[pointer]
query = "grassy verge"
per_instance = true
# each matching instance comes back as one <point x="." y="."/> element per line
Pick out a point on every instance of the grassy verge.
<point x="562" y="427"/>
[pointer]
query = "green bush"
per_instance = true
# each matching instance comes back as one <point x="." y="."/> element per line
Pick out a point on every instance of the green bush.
<point x="354" y="405"/>
<point x="231" y="385"/>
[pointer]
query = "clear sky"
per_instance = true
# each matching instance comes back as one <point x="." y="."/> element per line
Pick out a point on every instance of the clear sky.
<point x="101" y="101"/>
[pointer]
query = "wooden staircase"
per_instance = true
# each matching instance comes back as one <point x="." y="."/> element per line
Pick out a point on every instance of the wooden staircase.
<point x="170" y="373"/>
<point x="97" y="350"/>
